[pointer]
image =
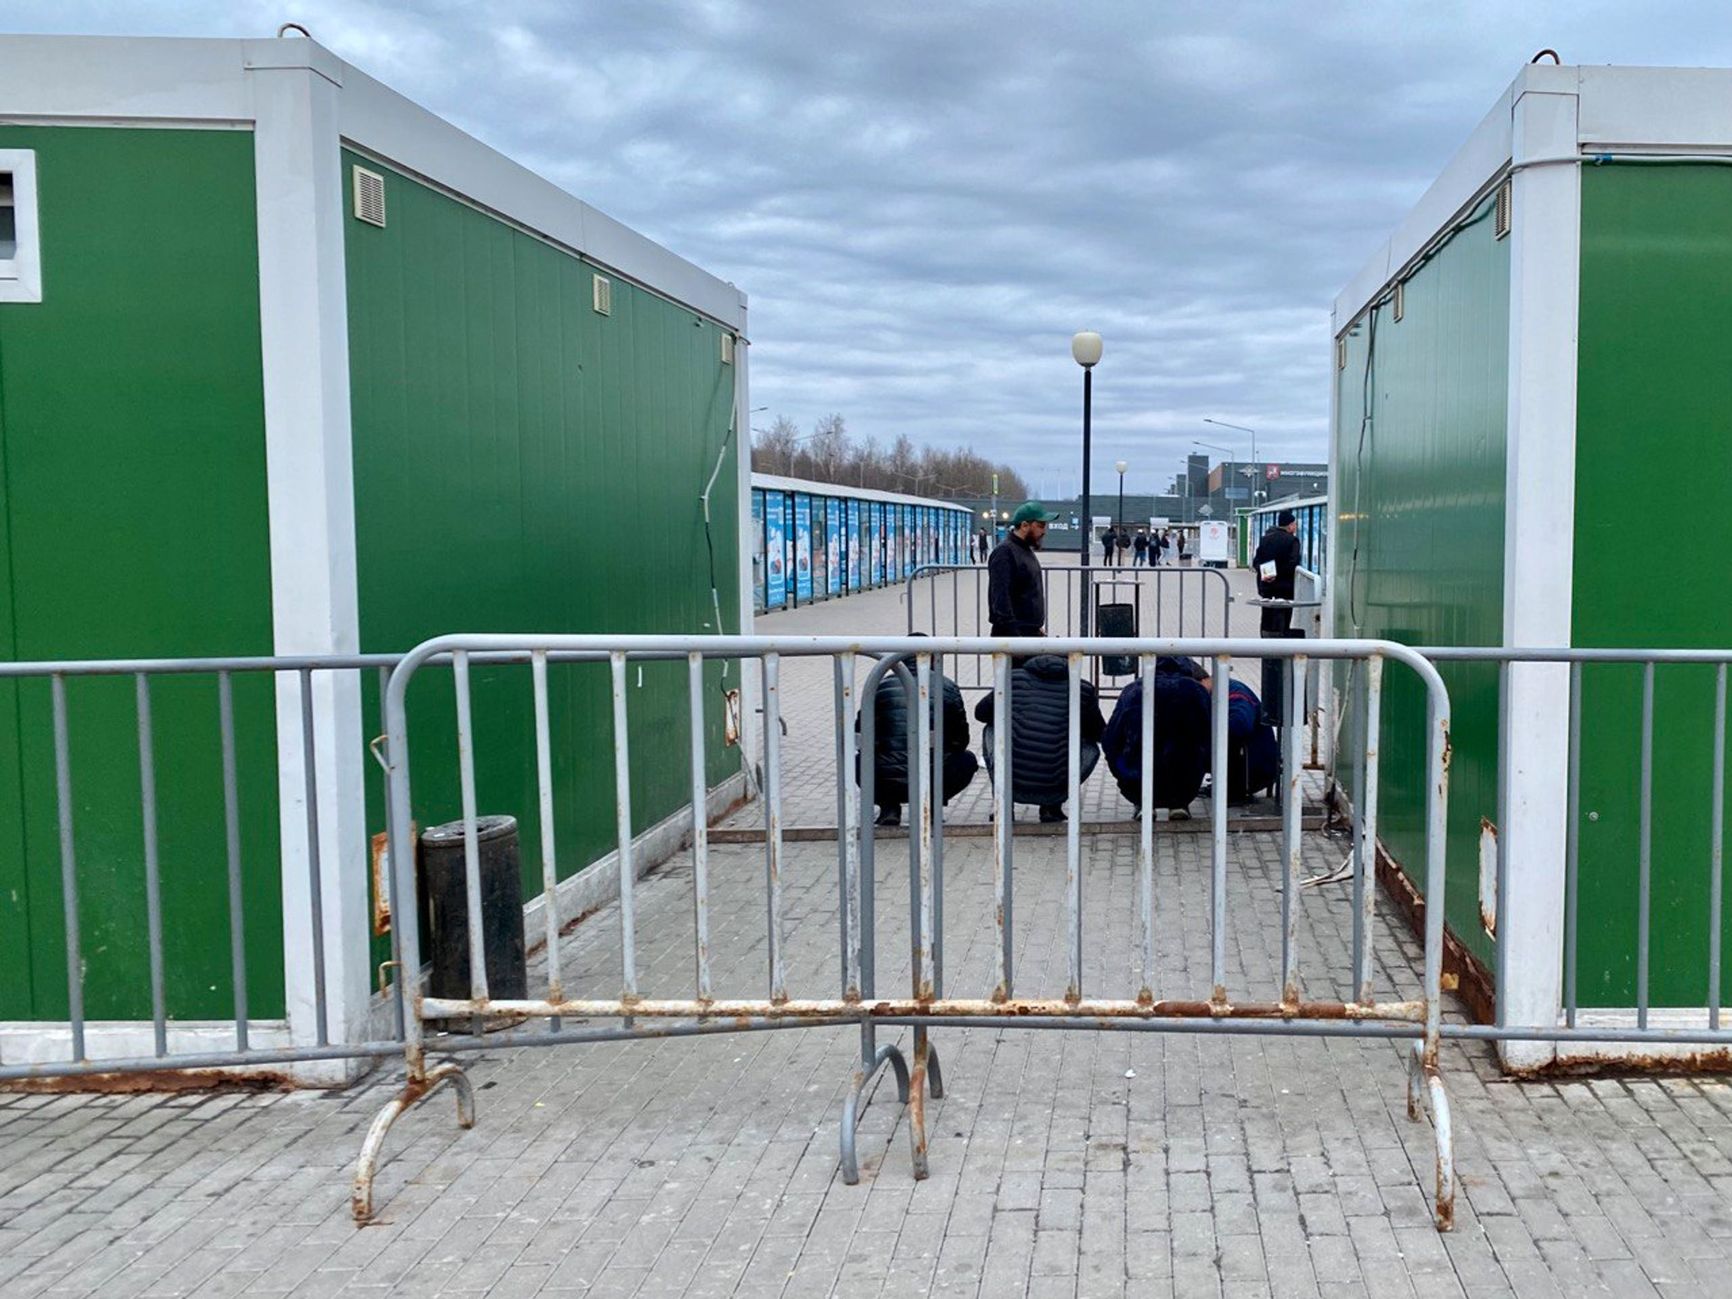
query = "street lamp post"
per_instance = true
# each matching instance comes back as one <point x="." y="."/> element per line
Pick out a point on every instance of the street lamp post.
<point x="1119" y="518"/>
<point x="1085" y="350"/>
<point x="1241" y="428"/>
<point x="1232" y="465"/>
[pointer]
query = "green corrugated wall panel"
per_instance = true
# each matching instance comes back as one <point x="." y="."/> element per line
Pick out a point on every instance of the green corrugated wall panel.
<point x="1653" y="464"/>
<point x="133" y="452"/>
<point x="1419" y="498"/>
<point x="523" y="464"/>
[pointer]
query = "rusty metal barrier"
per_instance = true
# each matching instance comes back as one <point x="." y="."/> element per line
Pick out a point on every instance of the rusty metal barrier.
<point x="913" y="665"/>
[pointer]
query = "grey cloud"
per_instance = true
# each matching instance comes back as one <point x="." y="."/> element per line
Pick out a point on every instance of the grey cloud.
<point x="924" y="200"/>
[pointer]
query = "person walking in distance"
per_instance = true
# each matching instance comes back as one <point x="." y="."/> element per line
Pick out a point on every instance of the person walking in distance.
<point x="1275" y="563"/>
<point x="1108" y="541"/>
<point x="1141" y="547"/>
<point x="1015" y="593"/>
<point x="983" y="544"/>
<point x="1124" y="544"/>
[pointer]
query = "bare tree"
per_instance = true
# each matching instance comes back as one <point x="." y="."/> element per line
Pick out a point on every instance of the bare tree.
<point x="773" y="448"/>
<point x="830" y="444"/>
<point x="830" y="455"/>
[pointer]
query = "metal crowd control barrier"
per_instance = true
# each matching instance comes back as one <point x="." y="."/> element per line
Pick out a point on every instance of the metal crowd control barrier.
<point x="227" y="847"/>
<point x="1709" y="1031"/>
<point x="913" y="665"/>
<point x="1201" y="605"/>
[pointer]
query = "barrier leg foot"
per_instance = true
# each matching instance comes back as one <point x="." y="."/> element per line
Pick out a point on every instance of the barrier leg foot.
<point x="1440" y="1123"/>
<point x="899" y="1067"/>
<point x="1420" y="1075"/>
<point x="414" y="1089"/>
<point x="934" y="1075"/>
<point x="1415" y="1082"/>
<point x="855" y="1101"/>
<point x="917" y="1084"/>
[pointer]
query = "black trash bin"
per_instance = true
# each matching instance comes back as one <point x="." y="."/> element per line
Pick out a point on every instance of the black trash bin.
<point x="1117" y="620"/>
<point x="447" y="908"/>
<point x="1275" y="683"/>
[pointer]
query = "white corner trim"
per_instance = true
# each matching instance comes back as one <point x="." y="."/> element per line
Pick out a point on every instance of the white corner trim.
<point x="303" y="335"/>
<point x="21" y="274"/>
<point x="1539" y="532"/>
<point x="118" y="79"/>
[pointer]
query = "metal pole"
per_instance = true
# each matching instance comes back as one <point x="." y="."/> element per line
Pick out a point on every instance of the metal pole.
<point x="1087" y="522"/>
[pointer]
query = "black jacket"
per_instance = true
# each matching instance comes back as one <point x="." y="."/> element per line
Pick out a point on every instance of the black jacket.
<point x="1015" y="597"/>
<point x="890" y="716"/>
<point x="1040" y="730"/>
<point x="1282" y="547"/>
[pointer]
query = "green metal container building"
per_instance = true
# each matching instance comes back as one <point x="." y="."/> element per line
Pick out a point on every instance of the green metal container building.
<point x="1531" y="397"/>
<point x="289" y="365"/>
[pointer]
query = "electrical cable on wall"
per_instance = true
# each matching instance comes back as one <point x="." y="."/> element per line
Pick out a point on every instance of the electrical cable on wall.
<point x="754" y="786"/>
<point x="1486" y="207"/>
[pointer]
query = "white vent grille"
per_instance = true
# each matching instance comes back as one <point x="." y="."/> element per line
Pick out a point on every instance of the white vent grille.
<point x="602" y="295"/>
<point x="727" y="349"/>
<point x="369" y="197"/>
<point x="1400" y="299"/>
<point x="1341" y="352"/>
<point x="1505" y="200"/>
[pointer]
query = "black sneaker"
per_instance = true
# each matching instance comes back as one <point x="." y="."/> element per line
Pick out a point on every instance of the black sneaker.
<point x="890" y="816"/>
<point x="1052" y="813"/>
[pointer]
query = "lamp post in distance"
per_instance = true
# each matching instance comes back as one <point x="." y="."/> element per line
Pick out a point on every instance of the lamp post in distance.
<point x="1119" y="518"/>
<point x="1241" y="428"/>
<point x="1085" y="350"/>
<point x="1232" y="461"/>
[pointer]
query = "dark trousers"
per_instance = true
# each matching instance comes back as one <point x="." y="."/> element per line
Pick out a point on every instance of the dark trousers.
<point x="1275" y="623"/>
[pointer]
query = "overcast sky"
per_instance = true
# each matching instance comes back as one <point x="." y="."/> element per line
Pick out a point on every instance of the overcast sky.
<point x="925" y="200"/>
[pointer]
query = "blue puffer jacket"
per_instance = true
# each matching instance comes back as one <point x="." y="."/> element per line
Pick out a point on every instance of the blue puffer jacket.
<point x="1253" y="753"/>
<point x="1181" y="739"/>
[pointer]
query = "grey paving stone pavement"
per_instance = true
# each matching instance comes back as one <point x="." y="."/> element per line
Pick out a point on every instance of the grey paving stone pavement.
<point x="1074" y="1164"/>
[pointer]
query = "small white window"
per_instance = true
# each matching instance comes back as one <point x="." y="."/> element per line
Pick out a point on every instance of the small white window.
<point x="601" y="295"/>
<point x="20" y="251"/>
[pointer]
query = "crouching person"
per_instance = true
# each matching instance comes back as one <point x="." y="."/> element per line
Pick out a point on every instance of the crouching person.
<point x="1040" y="733"/>
<point x="890" y="718"/>
<point x="1181" y="753"/>
<point x="1253" y="752"/>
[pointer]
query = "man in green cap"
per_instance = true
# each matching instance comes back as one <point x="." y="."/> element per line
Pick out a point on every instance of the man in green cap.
<point x="1015" y="597"/>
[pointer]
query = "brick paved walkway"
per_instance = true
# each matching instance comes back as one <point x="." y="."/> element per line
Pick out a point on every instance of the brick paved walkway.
<point x="1062" y="1164"/>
